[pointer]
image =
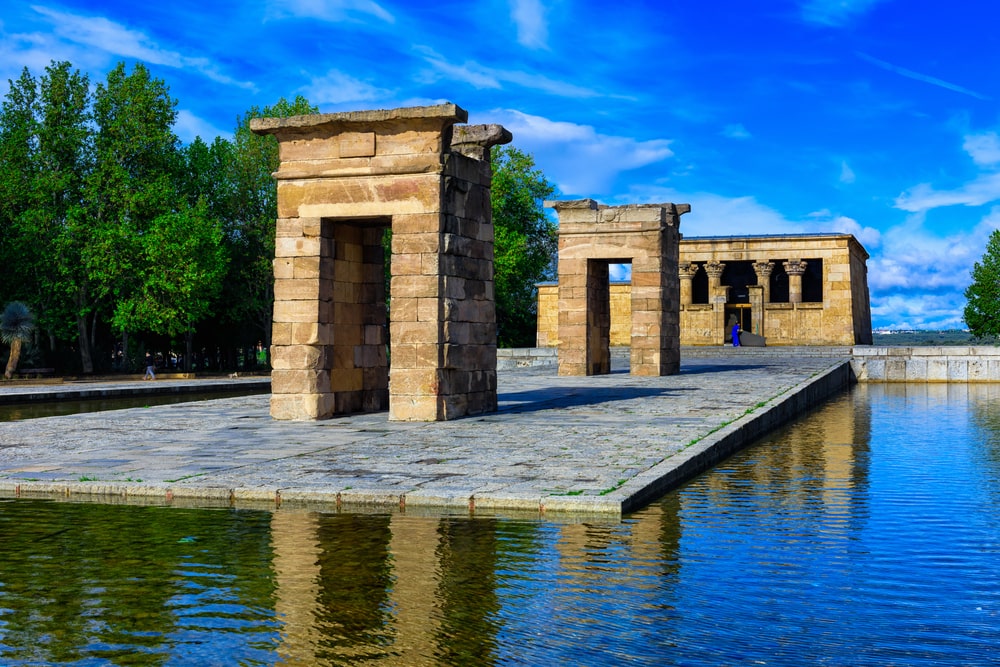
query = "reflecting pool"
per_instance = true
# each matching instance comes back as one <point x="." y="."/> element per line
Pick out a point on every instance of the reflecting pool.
<point x="36" y="410"/>
<point x="864" y="534"/>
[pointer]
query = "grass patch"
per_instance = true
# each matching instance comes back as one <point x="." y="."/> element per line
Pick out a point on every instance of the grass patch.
<point x="614" y="488"/>
<point x="577" y="492"/>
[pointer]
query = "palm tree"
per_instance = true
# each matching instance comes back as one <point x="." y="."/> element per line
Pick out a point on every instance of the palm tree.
<point x="16" y="326"/>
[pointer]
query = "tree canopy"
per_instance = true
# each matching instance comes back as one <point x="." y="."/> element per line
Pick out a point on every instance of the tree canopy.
<point x="982" y="310"/>
<point x="111" y="228"/>
<point x="120" y="238"/>
<point x="525" y="243"/>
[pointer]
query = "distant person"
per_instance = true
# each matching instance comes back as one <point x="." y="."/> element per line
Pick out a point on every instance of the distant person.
<point x="150" y="368"/>
<point x="736" y="334"/>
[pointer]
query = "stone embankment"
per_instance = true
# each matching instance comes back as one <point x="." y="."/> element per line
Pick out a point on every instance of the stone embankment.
<point x="594" y="446"/>
<point x="599" y="445"/>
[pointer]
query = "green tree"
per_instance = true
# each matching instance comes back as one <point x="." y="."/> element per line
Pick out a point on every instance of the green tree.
<point x="982" y="311"/>
<point x="17" y="324"/>
<point x="18" y="165"/>
<point x="45" y="138"/>
<point x="180" y="274"/>
<point x="64" y="159"/>
<point x="133" y="183"/>
<point x="525" y="243"/>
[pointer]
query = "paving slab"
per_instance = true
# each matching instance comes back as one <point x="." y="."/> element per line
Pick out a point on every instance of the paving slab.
<point x="593" y="445"/>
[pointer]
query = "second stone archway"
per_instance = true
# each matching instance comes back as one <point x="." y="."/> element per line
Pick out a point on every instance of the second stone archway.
<point x="591" y="238"/>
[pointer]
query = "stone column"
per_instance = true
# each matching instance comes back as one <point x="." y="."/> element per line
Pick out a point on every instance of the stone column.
<point x="687" y="271"/>
<point x="714" y="269"/>
<point x="591" y="237"/>
<point x="756" y="309"/>
<point x="763" y="270"/>
<point x="718" y="296"/>
<point x="795" y="268"/>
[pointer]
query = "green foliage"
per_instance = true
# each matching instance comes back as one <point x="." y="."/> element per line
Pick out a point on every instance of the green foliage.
<point x="109" y="227"/>
<point x="982" y="311"/>
<point x="525" y="243"/>
<point x="182" y="263"/>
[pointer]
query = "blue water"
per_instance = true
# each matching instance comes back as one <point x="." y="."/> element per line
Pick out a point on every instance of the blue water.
<point x="867" y="533"/>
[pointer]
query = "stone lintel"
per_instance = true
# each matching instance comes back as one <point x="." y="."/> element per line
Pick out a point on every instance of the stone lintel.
<point x="587" y="216"/>
<point x="568" y="204"/>
<point x="475" y="141"/>
<point x="446" y="113"/>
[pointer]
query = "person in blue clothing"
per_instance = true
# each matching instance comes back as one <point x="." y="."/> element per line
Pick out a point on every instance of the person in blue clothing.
<point x="736" y="334"/>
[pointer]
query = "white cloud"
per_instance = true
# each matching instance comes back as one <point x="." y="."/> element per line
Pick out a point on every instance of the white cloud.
<point x="825" y="221"/>
<point x="983" y="148"/>
<point x="99" y="33"/>
<point x="835" y="13"/>
<point x="36" y="51"/>
<point x="912" y="258"/>
<point x="919" y="311"/>
<point x="846" y="173"/>
<point x="481" y="76"/>
<point x="328" y="10"/>
<point x="188" y="126"/>
<point x="337" y="88"/>
<point x="529" y="17"/>
<point x="578" y="159"/>
<point x="735" y="131"/>
<point x="982" y="190"/>
<point x="717" y="215"/>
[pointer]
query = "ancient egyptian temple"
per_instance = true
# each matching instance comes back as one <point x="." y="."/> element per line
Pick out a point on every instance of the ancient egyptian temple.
<point x="786" y="289"/>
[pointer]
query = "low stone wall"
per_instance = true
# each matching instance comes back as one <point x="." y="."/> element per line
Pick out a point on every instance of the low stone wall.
<point x="869" y="363"/>
<point x="523" y="357"/>
<point x="979" y="363"/>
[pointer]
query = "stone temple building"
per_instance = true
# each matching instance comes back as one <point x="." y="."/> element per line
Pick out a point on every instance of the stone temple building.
<point x="790" y="289"/>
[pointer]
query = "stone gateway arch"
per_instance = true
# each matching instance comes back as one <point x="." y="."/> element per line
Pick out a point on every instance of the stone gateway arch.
<point x="345" y="179"/>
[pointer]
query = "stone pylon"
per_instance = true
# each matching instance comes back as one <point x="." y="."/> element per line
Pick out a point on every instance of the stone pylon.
<point x="345" y="180"/>
<point x="591" y="238"/>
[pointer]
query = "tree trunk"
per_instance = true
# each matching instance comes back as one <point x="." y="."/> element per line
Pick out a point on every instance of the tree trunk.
<point x="93" y="333"/>
<point x="15" y="355"/>
<point x="85" y="358"/>
<point x="86" y="361"/>
<point x="125" y="367"/>
<point x="188" y="350"/>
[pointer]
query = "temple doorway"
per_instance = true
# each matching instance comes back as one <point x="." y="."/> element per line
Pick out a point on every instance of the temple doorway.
<point x="740" y="313"/>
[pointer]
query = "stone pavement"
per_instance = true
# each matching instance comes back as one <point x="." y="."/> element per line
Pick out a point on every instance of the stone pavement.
<point x="593" y="445"/>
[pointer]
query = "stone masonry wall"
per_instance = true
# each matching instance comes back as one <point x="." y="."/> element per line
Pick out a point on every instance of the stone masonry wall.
<point x="343" y="180"/>
<point x="591" y="237"/>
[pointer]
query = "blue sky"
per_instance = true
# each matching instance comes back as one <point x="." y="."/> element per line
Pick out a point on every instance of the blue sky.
<point x="873" y="117"/>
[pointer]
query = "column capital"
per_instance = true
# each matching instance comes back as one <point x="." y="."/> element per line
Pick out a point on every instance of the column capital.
<point x="687" y="270"/>
<point x="795" y="267"/>
<point x="714" y="268"/>
<point x="763" y="269"/>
